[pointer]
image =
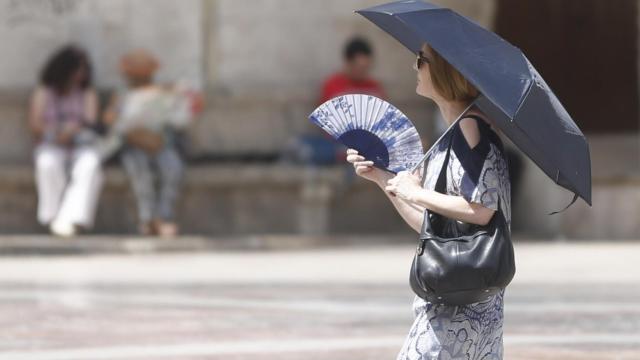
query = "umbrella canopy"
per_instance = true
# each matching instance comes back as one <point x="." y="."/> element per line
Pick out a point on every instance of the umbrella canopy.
<point x="513" y="93"/>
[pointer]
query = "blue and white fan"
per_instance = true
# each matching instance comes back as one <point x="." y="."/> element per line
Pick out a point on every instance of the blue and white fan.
<point x="378" y="130"/>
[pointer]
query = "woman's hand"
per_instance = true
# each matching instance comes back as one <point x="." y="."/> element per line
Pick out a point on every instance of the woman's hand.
<point x="68" y="132"/>
<point x="404" y="185"/>
<point x="365" y="169"/>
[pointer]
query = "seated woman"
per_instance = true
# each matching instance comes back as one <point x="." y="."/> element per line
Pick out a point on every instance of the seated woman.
<point x="68" y="173"/>
<point x="144" y="120"/>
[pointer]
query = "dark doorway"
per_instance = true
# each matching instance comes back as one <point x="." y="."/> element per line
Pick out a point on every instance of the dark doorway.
<point x="587" y="52"/>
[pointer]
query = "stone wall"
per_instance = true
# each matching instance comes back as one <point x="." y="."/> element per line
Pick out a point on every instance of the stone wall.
<point x="266" y="59"/>
<point x="260" y="61"/>
<point x="31" y="29"/>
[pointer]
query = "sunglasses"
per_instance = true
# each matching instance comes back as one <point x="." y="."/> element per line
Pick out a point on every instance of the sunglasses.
<point x="421" y="60"/>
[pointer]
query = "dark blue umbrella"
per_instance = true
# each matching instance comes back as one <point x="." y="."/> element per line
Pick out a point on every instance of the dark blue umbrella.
<point x="513" y="94"/>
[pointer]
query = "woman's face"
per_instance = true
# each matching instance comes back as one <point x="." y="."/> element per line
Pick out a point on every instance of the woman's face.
<point x="424" y="85"/>
<point x="79" y="76"/>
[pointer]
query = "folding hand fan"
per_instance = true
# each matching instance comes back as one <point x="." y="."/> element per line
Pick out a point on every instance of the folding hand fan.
<point x="379" y="131"/>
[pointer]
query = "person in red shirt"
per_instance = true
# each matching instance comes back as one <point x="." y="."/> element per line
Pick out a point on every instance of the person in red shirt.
<point x="316" y="147"/>
<point x="355" y="77"/>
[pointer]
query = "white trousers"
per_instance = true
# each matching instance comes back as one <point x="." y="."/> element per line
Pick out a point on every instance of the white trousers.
<point x="69" y="184"/>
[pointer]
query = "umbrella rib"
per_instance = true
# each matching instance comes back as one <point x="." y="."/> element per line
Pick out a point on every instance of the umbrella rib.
<point x="525" y="96"/>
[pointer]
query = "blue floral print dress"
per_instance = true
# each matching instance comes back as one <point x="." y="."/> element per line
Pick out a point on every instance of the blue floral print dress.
<point x="474" y="331"/>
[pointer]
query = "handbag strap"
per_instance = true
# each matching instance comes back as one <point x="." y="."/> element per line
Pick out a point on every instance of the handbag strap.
<point x="442" y="175"/>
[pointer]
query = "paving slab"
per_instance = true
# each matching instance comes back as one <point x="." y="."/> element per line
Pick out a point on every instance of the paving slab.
<point x="568" y="301"/>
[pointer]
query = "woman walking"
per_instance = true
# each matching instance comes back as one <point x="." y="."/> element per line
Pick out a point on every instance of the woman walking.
<point x="477" y="176"/>
<point x="68" y="168"/>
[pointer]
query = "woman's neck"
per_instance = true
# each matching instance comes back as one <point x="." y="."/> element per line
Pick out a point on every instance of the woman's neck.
<point x="451" y="110"/>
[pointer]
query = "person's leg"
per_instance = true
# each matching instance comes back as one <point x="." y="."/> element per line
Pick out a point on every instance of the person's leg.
<point x="171" y="169"/>
<point x="81" y="197"/>
<point x="51" y="180"/>
<point x="138" y="167"/>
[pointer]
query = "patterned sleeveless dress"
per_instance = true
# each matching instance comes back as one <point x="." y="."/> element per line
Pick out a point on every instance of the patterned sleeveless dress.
<point x="472" y="331"/>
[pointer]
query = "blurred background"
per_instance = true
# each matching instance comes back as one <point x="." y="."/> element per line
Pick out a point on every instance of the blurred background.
<point x="256" y="175"/>
<point x="260" y="80"/>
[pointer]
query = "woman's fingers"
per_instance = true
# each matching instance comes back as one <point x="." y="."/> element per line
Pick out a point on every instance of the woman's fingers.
<point x="360" y="164"/>
<point x="363" y="169"/>
<point x="354" y="158"/>
<point x="363" y="163"/>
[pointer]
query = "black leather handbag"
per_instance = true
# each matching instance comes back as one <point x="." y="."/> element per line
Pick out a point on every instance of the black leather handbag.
<point x="459" y="263"/>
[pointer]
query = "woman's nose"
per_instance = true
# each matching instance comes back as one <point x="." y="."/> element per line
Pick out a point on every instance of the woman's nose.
<point x="415" y="66"/>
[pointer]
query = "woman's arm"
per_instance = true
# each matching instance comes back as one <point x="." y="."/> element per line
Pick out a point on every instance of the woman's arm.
<point x="36" y="111"/>
<point x="455" y="207"/>
<point x="407" y="186"/>
<point x="90" y="106"/>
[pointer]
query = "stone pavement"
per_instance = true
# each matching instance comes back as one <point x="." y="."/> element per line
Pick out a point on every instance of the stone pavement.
<point x="345" y="301"/>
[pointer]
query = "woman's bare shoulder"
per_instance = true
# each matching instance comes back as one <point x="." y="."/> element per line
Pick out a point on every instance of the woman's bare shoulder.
<point x="39" y="95"/>
<point x="470" y="129"/>
<point x="40" y="91"/>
